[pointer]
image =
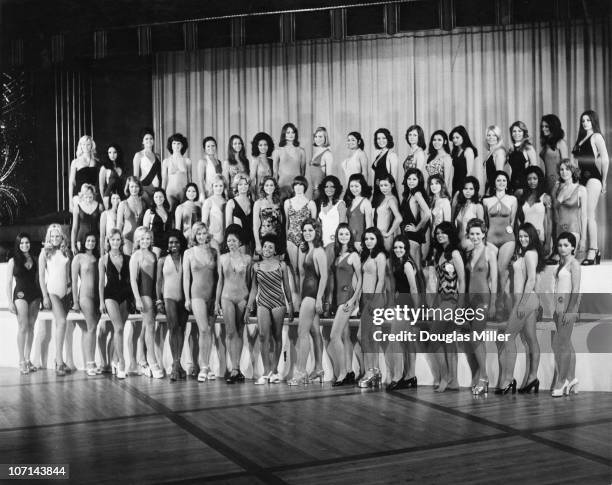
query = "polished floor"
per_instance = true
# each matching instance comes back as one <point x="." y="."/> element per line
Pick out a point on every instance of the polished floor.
<point x="151" y="431"/>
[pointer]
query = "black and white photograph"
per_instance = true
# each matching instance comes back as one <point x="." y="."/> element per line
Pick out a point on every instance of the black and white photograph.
<point x="306" y="241"/>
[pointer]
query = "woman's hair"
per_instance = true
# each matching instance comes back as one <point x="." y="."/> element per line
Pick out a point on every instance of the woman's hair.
<point x="351" y="243"/>
<point x="539" y="190"/>
<point x="366" y="190"/>
<point x="219" y="178"/>
<point x="166" y="204"/>
<point x="180" y="138"/>
<point x="556" y="131"/>
<point x="357" y="136"/>
<point x="387" y="133"/>
<point x="450" y="230"/>
<point x="241" y="155"/>
<point x="594" y="122"/>
<point x="388" y="178"/>
<point x="207" y="139"/>
<point x="317" y="242"/>
<point x="80" y="150"/>
<point x="498" y="133"/>
<point x="237" y="178"/>
<point x="138" y="233"/>
<point x="146" y="131"/>
<point x="432" y="152"/>
<point x="96" y="249"/>
<point x="180" y="236"/>
<point x="323" y="200"/>
<point x="443" y="190"/>
<point x="111" y="233"/>
<point x="378" y="248"/>
<point x="283" y="137"/>
<point x="461" y="200"/>
<point x="300" y="180"/>
<point x="501" y="173"/>
<point x="573" y="168"/>
<point x="570" y="238"/>
<point x="525" y="142"/>
<point x="18" y="256"/>
<point x="85" y="187"/>
<point x="271" y="238"/>
<point x="48" y="247"/>
<point x="397" y="263"/>
<point x="108" y="164"/>
<point x="255" y="144"/>
<point x="475" y="222"/>
<point x="195" y="186"/>
<point x="197" y="226"/>
<point x="233" y="230"/>
<point x="467" y="143"/>
<point x="420" y="184"/>
<point x="275" y="194"/>
<point x="132" y="179"/>
<point x="420" y="134"/>
<point x="323" y="130"/>
<point x="534" y="243"/>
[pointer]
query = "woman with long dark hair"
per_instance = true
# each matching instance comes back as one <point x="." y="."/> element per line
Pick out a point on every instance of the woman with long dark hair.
<point x="332" y="211"/>
<point x="237" y="162"/>
<point x="554" y="149"/>
<point x="190" y="211"/>
<point x="357" y="162"/>
<point x="267" y="214"/>
<point x="592" y="156"/>
<point x="359" y="213"/>
<point x="158" y="218"/>
<point x="262" y="148"/>
<point x="387" y="216"/>
<point x="535" y="206"/>
<point x="464" y="155"/>
<point x="415" y="137"/>
<point x="467" y="206"/>
<point x="527" y="263"/>
<point x="207" y="168"/>
<point x="176" y="170"/>
<point x="385" y="161"/>
<point x="24" y="300"/>
<point x="131" y="212"/>
<point x="289" y="159"/>
<point x="112" y="175"/>
<point x="147" y="166"/>
<point x="439" y="161"/>
<point x="415" y="214"/>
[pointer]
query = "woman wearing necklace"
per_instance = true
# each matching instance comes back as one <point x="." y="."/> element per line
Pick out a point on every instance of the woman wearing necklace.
<point x="416" y="149"/>
<point x="481" y="275"/>
<point x="527" y="263"/>
<point x="496" y="158"/>
<point x="239" y="210"/>
<point x="467" y="206"/>
<point x="347" y="291"/>
<point x="176" y="170"/>
<point x="115" y="293"/>
<point x="440" y="210"/>
<point x="321" y="163"/>
<point x="85" y="298"/>
<point x="387" y="216"/>
<point x="520" y="156"/>
<point x="267" y="214"/>
<point x="569" y="202"/>
<point x="112" y="175"/>
<point x="385" y="161"/>
<point x="312" y="270"/>
<point x="501" y="210"/>
<point x="535" y="206"/>
<point x="130" y="213"/>
<point x="213" y="212"/>
<point x="289" y="159"/>
<point x="554" y="149"/>
<point x="439" y="161"/>
<point x="359" y="214"/>
<point x="158" y="219"/>
<point x="234" y="270"/>
<point x="262" y="148"/>
<point x="592" y="156"/>
<point x="357" y="162"/>
<point x="415" y="214"/>
<point x="171" y="301"/>
<point x="199" y="280"/>
<point x="237" y="162"/>
<point x="85" y="217"/>
<point x="83" y="169"/>
<point x="464" y="155"/>
<point x="143" y="270"/>
<point x="190" y="211"/>
<point x="147" y="166"/>
<point x="24" y="300"/>
<point x="567" y="298"/>
<point x="208" y="168"/>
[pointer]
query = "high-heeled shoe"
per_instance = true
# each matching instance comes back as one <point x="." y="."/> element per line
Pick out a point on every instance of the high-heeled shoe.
<point x="182" y="373"/>
<point x="371" y="379"/>
<point x="23" y="368"/>
<point x="121" y="373"/>
<point x="507" y="389"/>
<point x="91" y="369"/>
<point x="341" y="382"/>
<point x="560" y="391"/>
<point x="535" y="385"/>
<point x="596" y="259"/>
<point x="31" y="367"/>
<point x="157" y="372"/>
<point x="572" y="387"/>
<point x="408" y="383"/>
<point x="316" y="374"/>
<point x="481" y="388"/>
<point x="298" y="379"/>
<point x="60" y="370"/>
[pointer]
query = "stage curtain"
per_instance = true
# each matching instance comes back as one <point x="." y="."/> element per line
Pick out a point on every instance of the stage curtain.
<point x="472" y="76"/>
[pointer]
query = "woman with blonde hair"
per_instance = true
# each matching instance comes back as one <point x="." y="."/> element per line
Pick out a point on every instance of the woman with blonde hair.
<point x="83" y="169"/>
<point x="496" y="158"/>
<point x="213" y="212"/>
<point x="322" y="161"/>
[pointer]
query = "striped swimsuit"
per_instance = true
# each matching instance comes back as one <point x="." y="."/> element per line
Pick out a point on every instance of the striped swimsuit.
<point x="270" y="289"/>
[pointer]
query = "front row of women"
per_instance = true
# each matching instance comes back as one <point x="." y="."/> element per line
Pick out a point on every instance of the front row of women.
<point x="185" y="280"/>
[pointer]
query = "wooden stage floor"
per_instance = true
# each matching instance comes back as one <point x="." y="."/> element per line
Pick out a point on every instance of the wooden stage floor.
<point x="153" y="431"/>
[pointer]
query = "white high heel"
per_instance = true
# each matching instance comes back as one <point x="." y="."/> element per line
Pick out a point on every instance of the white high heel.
<point x="572" y="387"/>
<point x="561" y="391"/>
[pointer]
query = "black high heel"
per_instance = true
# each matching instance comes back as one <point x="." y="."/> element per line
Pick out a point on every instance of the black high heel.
<point x="508" y="388"/>
<point x="598" y="257"/>
<point x="535" y="385"/>
<point x="591" y="261"/>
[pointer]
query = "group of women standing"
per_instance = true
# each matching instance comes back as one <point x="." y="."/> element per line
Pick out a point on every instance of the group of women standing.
<point x="274" y="232"/>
